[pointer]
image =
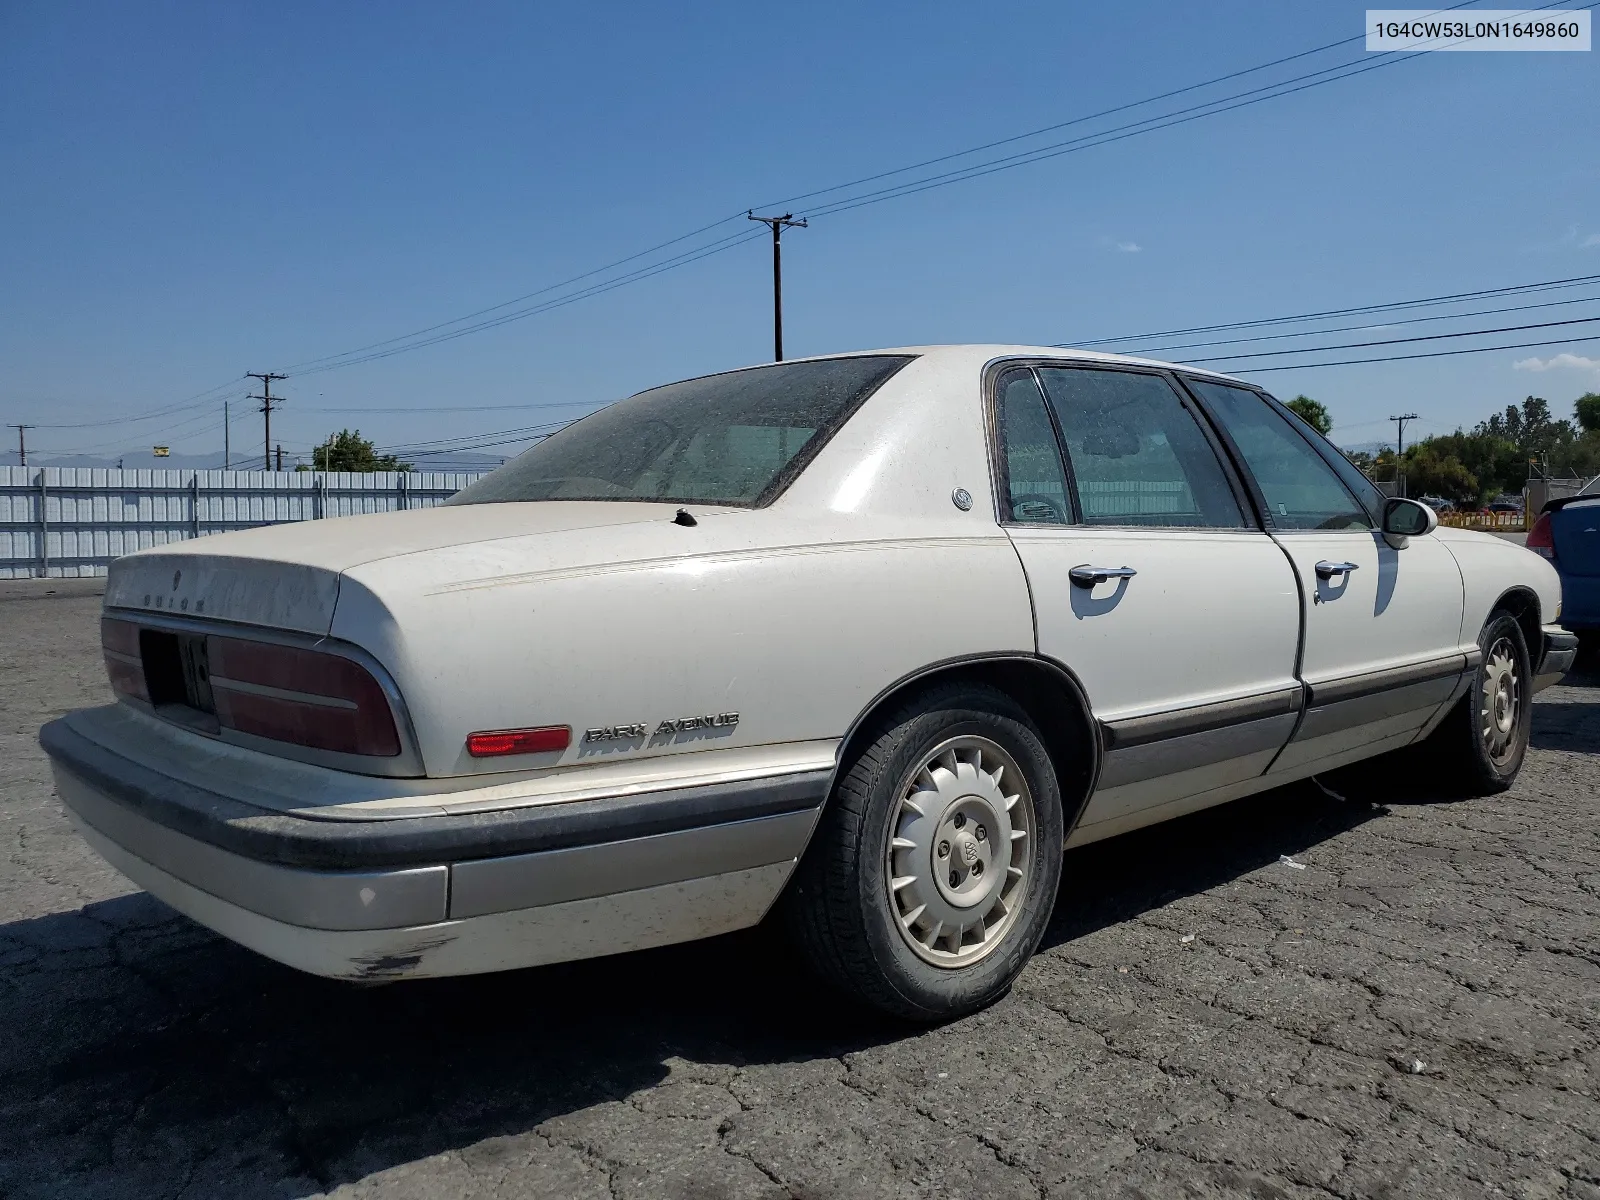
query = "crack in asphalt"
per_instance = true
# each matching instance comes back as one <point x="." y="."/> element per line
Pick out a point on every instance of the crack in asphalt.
<point x="1269" y="1057"/>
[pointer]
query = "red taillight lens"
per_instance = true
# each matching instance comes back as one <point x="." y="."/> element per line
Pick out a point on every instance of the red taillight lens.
<point x="119" y="645"/>
<point x="1541" y="540"/>
<point x="496" y="742"/>
<point x="306" y="697"/>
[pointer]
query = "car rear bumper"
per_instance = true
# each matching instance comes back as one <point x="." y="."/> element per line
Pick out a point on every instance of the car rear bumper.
<point x="443" y="894"/>
<point x="1560" y="651"/>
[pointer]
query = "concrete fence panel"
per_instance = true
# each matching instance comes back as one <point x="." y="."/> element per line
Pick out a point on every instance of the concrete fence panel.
<point x="67" y="522"/>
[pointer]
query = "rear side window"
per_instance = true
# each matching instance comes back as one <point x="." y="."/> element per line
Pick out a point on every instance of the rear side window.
<point x="737" y="438"/>
<point x="1301" y="489"/>
<point x="1036" y="479"/>
<point x="1138" y="454"/>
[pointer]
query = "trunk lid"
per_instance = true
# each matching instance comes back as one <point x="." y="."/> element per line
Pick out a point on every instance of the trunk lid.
<point x="287" y="576"/>
<point x="1575" y="528"/>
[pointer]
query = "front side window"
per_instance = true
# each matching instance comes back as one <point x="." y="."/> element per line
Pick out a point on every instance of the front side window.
<point x="1036" y="479"/>
<point x="1138" y="454"/>
<point x="736" y="438"/>
<point x="1300" y="489"/>
<point x="1367" y="493"/>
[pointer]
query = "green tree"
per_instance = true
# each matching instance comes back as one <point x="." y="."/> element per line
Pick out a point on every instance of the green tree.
<point x="1313" y="412"/>
<point x="1536" y="434"/>
<point x="349" y="451"/>
<point x="1431" y="470"/>
<point x="1587" y="410"/>
<point x="1495" y="462"/>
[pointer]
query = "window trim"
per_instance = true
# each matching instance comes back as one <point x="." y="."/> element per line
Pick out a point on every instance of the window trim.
<point x="1249" y="511"/>
<point x="1257" y="496"/>
<point x="1003" y="491"/>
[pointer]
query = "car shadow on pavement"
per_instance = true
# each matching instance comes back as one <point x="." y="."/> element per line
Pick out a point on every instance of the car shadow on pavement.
<point x="1108" y="882"/>
<point x="141" y="1050"/>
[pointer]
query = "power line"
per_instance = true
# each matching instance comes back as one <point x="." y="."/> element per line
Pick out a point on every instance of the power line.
<point x="336" y="361"/>
<point x="199" y="399"/>
<point x="1432" y="337"/>
<point x="1358" y="310"/>
<point x="1152" y="351"/>
<point x="527" y="295"/>
<point x="1107" y="137"/>
<point x="548" y="306"/>
<point x="1105" y="112"/>
<point x="443" y="332"/>
<point x="434" y="408"/>
<point x="1430" y="354"/>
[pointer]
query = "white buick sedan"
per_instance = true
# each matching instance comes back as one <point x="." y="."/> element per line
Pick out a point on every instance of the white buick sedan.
<point x="867" y="639"/>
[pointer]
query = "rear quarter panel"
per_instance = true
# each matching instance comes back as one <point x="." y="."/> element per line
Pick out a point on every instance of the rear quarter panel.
<point x="796" y="635"/>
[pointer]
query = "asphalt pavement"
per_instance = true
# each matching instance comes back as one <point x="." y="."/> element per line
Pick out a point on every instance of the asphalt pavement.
<point x="1412" y="1009"/>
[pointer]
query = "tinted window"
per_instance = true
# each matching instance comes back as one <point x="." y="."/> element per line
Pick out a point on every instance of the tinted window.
<point x="1366" y="492"/>
<point x="1035" y="477"/>
<point x="1301" y="490"/>
<point x="723" y="439"/>
<point x="1138" y="455"/>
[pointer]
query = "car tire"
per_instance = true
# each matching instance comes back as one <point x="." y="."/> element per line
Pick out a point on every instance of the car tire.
<point x="934" y="869"/>
<point x="1480" y="745"/>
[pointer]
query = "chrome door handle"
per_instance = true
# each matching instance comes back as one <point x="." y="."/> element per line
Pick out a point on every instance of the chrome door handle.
<point x="1087" y="577"/>
<point x="1327" y="570"/>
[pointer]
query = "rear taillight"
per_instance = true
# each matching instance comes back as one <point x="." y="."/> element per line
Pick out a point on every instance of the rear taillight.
<point x="305" y="697"/>
<point x="1540" y="539"/>
<point x="119" y="645"/>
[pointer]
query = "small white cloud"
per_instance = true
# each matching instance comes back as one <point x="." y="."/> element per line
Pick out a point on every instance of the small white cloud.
<point x="1590" y="242"/>
<point x="1119" y="246"/>
<point x="1559" y="362"/>
<point x="1129" y="247"/>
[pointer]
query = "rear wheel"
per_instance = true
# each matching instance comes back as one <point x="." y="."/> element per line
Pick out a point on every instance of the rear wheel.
<point x="934" y="871"/>
<point x="1480" y="746"/>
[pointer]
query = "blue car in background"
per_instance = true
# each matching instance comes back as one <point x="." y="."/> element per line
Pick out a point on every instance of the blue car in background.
<point x="1568" y="534"/>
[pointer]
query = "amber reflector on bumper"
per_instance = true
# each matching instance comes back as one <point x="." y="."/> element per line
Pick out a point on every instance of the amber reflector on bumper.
<point x="495" y="742"/>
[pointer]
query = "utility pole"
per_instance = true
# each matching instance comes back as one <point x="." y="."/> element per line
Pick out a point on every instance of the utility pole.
<point x="22" y="443"/>
<point x="266" y="399"/>
<point x="280" y="456"/>
<point x="225" y="447"/>
<point x="777" y="225"/>
<point x="1400" y="449"/>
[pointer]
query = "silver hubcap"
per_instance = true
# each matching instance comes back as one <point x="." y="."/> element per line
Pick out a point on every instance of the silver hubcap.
<point x="1501" y="704"/>
<point x="960" y="854"/>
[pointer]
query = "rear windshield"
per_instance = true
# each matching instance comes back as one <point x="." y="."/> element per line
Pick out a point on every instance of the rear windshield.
<point x="737" y="438"/>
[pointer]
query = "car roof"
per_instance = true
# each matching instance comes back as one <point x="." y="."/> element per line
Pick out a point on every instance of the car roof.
<point x="979" y="354"/>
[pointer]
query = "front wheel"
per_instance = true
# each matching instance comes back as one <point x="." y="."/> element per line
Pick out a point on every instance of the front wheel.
<point x="934" y="871"/>
<point x="1481" y="744"/>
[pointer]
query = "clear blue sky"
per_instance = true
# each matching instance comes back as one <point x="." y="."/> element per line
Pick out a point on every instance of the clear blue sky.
<point x="191" y="191"/>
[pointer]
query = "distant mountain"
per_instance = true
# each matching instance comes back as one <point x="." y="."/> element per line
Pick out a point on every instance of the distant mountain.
<point x="1365" y="447"/>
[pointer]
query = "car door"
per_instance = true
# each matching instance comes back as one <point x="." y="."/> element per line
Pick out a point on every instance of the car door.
<point x="1383" y="632"/>
<point x="1150" y="581"/>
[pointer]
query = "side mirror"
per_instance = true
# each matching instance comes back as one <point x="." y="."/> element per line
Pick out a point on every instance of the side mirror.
<point x="1404" y="519"/>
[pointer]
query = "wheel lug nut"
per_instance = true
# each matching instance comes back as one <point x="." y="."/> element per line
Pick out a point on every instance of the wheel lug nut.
<point x="977" y="868"/>
<point x="955" y="880"/>
<point x="944" y="849"/>
<point x="981" y="833"/>
<point x="961" y="819"/>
